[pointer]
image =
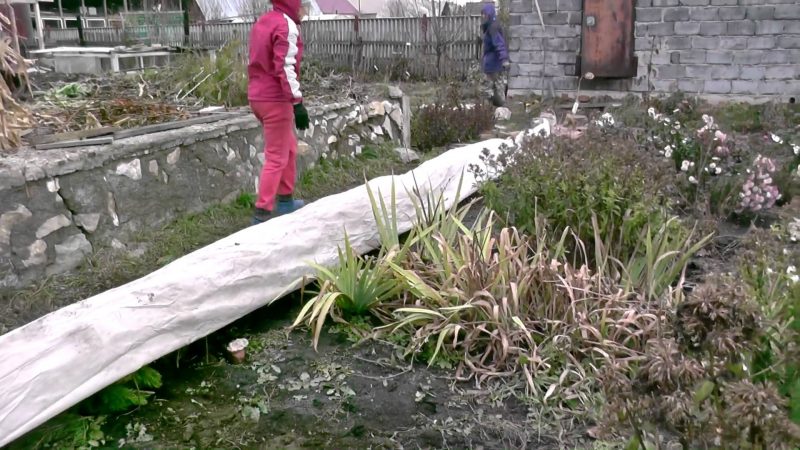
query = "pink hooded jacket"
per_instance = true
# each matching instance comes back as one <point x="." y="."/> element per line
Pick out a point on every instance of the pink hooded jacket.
<point x="275" y="53"/>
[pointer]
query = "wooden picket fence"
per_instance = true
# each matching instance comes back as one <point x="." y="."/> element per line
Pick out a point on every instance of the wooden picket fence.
<point x="417" y="47"/>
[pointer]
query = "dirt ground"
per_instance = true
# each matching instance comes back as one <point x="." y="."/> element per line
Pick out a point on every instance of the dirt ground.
<point x="343" y="396"/>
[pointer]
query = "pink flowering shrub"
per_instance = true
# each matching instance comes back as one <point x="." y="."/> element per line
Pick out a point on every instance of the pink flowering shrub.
<point x="759" y="191"/>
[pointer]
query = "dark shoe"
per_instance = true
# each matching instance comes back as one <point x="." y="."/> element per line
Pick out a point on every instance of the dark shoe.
<point x="288" y="205"/>
<point x="261" y="216"/>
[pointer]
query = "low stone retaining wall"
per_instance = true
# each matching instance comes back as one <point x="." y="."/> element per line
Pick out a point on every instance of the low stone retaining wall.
<point x="56" y="206"/>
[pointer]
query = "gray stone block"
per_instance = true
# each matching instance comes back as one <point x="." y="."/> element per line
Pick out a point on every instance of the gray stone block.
<point x="566" y="83"/>
<point x="724" y="72"/>
<point x="656" y="29"/>
<point x="675" y="57"/>
<point x="682" y="43"/>
<point x="704" y="14"/>
<point x="666" y="2"/>
<point x="741" y="28"/>
<point x="787" y="11"/>
<point x="570" y="5"/>
<point x="719" y="57"/>
<point x="547" y="5"/>
<point x="772" y="87"/>
<point x="518" y="7"/>
<point x="562" y="45"/>
<point x="575" y="18"/>
<point x="529" y="69"/>
<point x="555" y="18"/>
<point x="644" y="3"/>
<point x="789" y="42"/>
<point x="770" y="26"/>
<point x="733" y="13"/>
<point x="781" y="56"/>
<point x="693" y="57"/>
<point x="760" y="12"/>
<point x="658" y="57"/>
<point x="733" y="43"/>
<point x="791" y="26"/>
<point x="761" y="42"/>
<point x="646" y="43"/>
<point x="687" y="28"/>
<point x="554" y="70"/>
<point x="748" y="57"/>
<point x="665" y="85"/>
<point x="531" y="44"/>
<point x="691" y="86"/>
<point x="704" y="43"/>
<point x="568" y="31"/>
<point x="673" y="14"/>
<point x="752" y="73"/>
<point x="787" y="72"/>
<point x="724" y="2"/>
<point x="698" y="71"/>
<point x="670" y="71"/>
<point x="744" y="87"/>
<point x="644" y="15"/>
<point x="695" y="2"/>
<point x="717" y="86"/>
<point x="713" y="29"/>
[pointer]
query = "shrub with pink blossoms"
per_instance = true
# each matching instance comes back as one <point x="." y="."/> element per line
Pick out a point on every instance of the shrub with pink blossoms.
<point x="759" y="191"/>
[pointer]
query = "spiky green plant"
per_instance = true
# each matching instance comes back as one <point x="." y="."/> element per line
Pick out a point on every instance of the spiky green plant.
<point x="352" y="288"/>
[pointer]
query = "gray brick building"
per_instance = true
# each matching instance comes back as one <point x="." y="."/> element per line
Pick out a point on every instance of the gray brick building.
<point x="738" y="48"/>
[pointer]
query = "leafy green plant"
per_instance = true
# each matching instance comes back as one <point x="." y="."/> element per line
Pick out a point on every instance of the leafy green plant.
<point x="660" y="257"/>
<point x="353" y="288"/>
<point x="572" y="184"/>
<point x="69" y="432"/>
<point x="129" y="392"/>
<point x="218" y="81"/>
<point x="448" y="120"/>
<point x="772" y="280"/>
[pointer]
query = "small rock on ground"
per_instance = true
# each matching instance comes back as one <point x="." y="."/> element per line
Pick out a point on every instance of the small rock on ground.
<point x="406" y="155"/>
<point x="395" y="92"/>
<point x="502" y="114"/>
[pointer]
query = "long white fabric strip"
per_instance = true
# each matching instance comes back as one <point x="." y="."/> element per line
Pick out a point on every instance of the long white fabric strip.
<point x="58" y="360"/>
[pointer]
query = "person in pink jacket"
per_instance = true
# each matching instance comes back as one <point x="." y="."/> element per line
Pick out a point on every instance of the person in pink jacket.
<point x="276" y="50"/>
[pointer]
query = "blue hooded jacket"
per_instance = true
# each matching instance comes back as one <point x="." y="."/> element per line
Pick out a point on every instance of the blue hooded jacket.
<point x="495" y="51"/>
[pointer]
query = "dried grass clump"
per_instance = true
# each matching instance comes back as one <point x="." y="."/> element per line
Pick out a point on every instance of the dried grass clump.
<point x="13" y="116"/>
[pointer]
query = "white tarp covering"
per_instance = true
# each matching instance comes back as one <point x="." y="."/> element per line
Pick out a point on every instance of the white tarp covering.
<point x="58" y="360"/>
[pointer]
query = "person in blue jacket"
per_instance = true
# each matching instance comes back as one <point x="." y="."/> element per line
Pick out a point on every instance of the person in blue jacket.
<point x="495" y="51"/>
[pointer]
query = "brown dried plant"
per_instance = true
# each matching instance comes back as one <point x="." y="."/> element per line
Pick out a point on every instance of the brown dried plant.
<point x="13" y="116"/>
<point x="694" y="383"/>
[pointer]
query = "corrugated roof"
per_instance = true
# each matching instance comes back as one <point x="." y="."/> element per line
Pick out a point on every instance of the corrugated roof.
<point x="337" y="7"/>
<point x="228" y="9"/>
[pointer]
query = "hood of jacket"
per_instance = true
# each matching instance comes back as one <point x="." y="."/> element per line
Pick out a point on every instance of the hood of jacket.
<point x="289" y="7"/>
<point x="489" y="11"/>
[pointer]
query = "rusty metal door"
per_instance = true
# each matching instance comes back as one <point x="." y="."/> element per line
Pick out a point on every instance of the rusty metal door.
<point x="607" y="42"/>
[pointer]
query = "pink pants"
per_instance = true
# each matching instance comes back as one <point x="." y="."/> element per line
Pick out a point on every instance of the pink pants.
<point x="280" y="151"/>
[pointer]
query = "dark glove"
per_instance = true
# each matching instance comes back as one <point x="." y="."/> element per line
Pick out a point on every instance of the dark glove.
<point x="300" y="117"/>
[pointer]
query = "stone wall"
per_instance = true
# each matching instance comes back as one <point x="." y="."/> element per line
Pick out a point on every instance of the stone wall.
<point x="56" y="206"/>
<point x="743" y="48"/>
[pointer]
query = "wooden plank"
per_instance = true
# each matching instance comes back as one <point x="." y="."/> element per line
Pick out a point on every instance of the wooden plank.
<point x="174" y="125"/>
<point x="72" y="135"/>
<point x="76" y="143"/>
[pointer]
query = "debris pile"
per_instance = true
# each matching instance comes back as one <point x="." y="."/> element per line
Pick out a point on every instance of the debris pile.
<point x="101" y="103"/>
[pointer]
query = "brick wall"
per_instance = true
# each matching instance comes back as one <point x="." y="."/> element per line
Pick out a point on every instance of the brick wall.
<point x="747" y="48"/>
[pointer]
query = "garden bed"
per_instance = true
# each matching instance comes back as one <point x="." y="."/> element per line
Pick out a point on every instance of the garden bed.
<point x="623" y="332"/>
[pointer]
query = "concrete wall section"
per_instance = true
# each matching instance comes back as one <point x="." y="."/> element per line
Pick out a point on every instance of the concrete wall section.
<point x="56" y="206"/>
<point x="740" y="48"/>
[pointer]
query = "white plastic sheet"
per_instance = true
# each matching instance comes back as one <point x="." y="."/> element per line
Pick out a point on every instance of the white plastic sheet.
<point x="58" y="360"/>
